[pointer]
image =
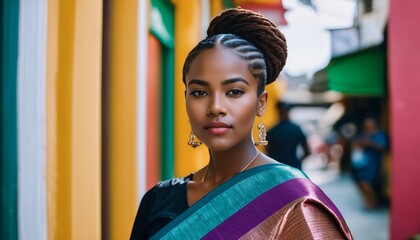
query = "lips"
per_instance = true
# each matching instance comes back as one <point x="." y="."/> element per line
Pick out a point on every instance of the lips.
<point x="218" y="128"/>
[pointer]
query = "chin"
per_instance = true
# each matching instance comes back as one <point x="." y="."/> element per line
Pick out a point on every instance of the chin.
<point x="218" y="146"/>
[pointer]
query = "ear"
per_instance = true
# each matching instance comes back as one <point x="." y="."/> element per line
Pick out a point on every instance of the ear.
<point x="262" y="103"/>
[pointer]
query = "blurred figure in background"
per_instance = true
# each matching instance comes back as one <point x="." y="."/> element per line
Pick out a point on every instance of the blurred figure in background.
<point x="368" y="150"/>
<point x="347" y="132"/>
<point x="285" y="138"/>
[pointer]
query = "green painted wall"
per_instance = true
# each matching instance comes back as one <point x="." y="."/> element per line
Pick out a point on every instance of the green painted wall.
<point x="228" y="3"/>
<point x="168" y="96"/>
<point x="162" y="27"/>
<point x="8" y="120"/>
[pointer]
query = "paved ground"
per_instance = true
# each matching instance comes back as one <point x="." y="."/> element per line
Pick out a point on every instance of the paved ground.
<point x="370" y="225"/>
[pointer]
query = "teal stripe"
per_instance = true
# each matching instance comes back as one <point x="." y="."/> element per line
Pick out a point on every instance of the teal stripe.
<point x="226" y="200"/>
<point x="8" y="120"/>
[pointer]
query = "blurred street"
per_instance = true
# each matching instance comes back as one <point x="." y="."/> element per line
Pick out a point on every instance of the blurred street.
<point x="372" y="225"/>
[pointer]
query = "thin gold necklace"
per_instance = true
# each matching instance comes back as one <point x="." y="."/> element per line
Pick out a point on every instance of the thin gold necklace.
<point x="207" y="169"/>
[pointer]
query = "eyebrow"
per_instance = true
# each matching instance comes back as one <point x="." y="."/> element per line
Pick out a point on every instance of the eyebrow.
<point x="225" y="82"/>
<point x="234" y="80"/>
<point x="199" y="82"/>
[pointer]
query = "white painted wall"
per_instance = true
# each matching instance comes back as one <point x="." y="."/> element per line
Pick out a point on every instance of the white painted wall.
<point x="143" y="30"/>
<point x="32" y="213"/>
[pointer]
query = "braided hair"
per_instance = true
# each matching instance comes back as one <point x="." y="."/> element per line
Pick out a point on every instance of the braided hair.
<point x="252" y="37"/>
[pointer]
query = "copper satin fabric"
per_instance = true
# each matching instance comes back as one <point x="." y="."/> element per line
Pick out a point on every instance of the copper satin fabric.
<point x="301" y="219"/>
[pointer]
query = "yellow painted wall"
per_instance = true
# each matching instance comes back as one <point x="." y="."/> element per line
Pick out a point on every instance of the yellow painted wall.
<point x="239" y="2"/>
<point x="74" y="60"/>
<point x="122" y="170"/>
<point x="187" y="35"/>
<point x="216" y="7"/>
<point x="59" y="67"/>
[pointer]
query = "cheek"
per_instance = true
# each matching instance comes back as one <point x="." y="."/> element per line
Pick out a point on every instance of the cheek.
<point x="248" y="116"/>
<point x="194" y="109"/>
<point x="249" y="104"/>
<point x="246" y="110"/>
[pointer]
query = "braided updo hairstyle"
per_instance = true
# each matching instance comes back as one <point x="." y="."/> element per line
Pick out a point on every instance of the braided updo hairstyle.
<point x="252" y="37"/>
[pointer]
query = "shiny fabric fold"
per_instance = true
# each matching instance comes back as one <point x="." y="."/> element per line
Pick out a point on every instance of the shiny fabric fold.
<point x="268" y="202"/>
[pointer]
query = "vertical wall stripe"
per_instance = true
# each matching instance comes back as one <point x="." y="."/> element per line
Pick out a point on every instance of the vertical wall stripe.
<point x="9" y="10"/>
<point x="86" y="176"/>
<point x="404" y="85"/>
<point x="123" y="117"/>
<point x="153" y="111"/>
<point x="167" y="133"/>
<point x="187" y="35"/>
<point x="60" y="45"/>
<point x="228" y="3"/>
<point x="105" y="177"/>
<point x="142" y="33"/>
<point x="86" y="205"/>
<point x="31" y="120"/>
<point x="51" y="127"/>
<point x="205" y="17"/>
<point x="73" y="119"/>
<point x="162" y="27"/>
<point x="216" y="7"/>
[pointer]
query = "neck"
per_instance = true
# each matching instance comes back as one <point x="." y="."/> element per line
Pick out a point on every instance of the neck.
<point x="224" y="164"/>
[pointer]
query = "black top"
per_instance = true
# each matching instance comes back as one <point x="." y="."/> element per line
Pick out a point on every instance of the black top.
<point x="160" y="205"/>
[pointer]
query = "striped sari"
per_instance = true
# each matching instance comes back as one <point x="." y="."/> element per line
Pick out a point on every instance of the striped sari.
<point x="271" y="201"/>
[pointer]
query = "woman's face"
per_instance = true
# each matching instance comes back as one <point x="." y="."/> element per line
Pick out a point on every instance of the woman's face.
<point x="221" y="99"/>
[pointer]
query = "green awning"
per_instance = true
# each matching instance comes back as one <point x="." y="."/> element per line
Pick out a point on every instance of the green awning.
<point x="360" y="73"/>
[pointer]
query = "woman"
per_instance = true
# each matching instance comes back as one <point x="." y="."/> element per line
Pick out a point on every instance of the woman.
<point x="242" y="193"/>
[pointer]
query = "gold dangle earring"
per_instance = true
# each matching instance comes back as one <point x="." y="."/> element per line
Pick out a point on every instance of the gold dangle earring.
<point x="262" y="134"/>
<point x="192" y="141"/>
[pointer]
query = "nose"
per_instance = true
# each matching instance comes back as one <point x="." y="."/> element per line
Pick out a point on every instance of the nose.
<point x="216" y="106"/>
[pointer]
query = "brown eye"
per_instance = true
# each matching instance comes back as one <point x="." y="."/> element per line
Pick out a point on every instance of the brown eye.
<point x="235" y="92"/>
<point x="198" y="93"/>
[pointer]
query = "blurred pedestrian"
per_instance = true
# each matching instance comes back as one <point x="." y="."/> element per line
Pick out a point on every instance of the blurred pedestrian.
<point x="367" y="153"/>
<point x="285" y="139"/>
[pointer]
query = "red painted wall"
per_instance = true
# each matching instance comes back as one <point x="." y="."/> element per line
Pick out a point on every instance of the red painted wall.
<point x="153" y="111"/>
<point x="404" y="82"/>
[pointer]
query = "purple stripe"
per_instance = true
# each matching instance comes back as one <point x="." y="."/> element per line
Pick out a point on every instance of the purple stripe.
<point x="266" y="205"/>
